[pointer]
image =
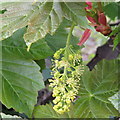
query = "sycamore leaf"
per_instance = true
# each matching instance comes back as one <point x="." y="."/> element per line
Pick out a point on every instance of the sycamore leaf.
<point x="75" y="11"/>
<point x="42" y="48"/>
<point x="44" y="111"/>
<point x="115" y="100"/>
<point x="20" y="81"/>
<point x="96" y="87"/>
<point x="16" y="45"/>
<point x="41" y="18"/>
<point x="16" y="16"/>
<point x="58" y="40"/>
<point x="111" y="10"/>
<point x="47" y="111"/>
<point x="45" y="20"/>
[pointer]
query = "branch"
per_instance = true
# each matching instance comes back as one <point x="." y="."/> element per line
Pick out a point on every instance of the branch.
<point x="114" y="24"/>
<point x="105" y="52"/>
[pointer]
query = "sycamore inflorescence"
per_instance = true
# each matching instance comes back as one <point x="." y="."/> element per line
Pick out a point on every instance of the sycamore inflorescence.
<point x="65" y="83"/>
<point x="67" y="70"/>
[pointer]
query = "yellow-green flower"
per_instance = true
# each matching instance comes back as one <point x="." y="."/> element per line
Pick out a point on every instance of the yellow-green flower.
<point x="65" y="84"/>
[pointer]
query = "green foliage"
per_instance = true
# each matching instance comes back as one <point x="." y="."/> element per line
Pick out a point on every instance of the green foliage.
<point x="115" y="31"/>
<point x="41" y="24"/>
<point x="19" y="15"/>
<point x="3" y="11"/>
<point x="40" y="49"/>
<point x="75" y="12"/>
<point x="21" y="80"/>
<point x="45" y="111"/>
<point x="115" y="100"/>
<point x="58" y="40"/>
<point x="16" y="45"/>
<point x="117" y="40"/>
<point x="112" y="10"/>
<point x="96" y="87"/>
<point x="41" y="63"/>
<point x="43" y="27"/>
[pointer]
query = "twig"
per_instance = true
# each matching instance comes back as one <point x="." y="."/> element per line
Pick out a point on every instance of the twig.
<point x="114" y="24"/>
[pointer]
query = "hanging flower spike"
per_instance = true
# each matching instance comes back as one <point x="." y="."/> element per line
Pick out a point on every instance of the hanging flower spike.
<point x="85" y="36"/>
<point x="102" y="19"/>
<point x="89" y="5"/>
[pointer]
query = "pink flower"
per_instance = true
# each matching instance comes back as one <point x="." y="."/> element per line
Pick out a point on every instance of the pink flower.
<point x="85" y="36"/>
<point x="89" y="5"/>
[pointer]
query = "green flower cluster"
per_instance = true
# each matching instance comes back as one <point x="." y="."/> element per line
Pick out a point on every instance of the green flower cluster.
<point x="65" y="83"/>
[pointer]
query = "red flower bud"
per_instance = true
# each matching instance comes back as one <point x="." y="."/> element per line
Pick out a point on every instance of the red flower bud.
<point x="102" y="18"/>
<point x="92" y="20"/>
<point x="85" y="36"/>
<point x="89" y="5"/>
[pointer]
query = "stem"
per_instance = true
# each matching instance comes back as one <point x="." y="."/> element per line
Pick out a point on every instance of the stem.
<point x="68" y="41"/>
<point x="114" y="24"/>
<point x="100" y="6"/>
<point x="67" y="45"/>
<point x="69" y="35"/>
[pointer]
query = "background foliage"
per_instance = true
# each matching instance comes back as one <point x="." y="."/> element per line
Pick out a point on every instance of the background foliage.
<point x="25" y="26"/>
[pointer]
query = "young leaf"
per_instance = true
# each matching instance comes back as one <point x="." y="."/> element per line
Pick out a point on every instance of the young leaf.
<point x="96" y="87"/>
<point x="21" y="81"/>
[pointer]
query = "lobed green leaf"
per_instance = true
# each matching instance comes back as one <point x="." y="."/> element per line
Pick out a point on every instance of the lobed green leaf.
<point x="16" y="45"/>
<point x="97" y="86"/>
<point x="21" y="81"/>
<point x="41" y="18"/>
